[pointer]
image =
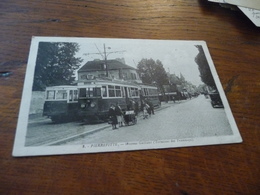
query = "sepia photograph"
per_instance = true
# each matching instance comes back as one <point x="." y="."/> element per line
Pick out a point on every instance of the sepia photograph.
<point x="87" y="95"/>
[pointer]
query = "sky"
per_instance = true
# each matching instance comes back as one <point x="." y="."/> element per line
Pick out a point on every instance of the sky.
<point x="176" y="56"/>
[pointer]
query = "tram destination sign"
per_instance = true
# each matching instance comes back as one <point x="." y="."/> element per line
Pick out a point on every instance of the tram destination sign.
<point x="91" y="95"/>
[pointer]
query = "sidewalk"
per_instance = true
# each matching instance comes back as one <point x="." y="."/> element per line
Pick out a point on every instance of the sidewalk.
<point x="43" y="132"/>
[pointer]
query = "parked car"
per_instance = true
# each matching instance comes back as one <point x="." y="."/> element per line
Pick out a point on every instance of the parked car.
<point x="216" y="101"/>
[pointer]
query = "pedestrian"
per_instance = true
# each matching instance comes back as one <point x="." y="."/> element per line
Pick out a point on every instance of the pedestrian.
<point x="173" y="99"/>
<point x="146" y="110"/>
<point x="112" y="116"/>
<point x="136" y="108"/>
<point x="151" y="106"/>
<point x="119" y="115"/>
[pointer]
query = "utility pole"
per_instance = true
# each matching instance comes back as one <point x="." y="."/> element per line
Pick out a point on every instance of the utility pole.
<point x="105" y="55"/>
<point x="106" y="60"/>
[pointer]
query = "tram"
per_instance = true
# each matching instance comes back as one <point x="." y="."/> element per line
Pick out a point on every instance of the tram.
<point x="95" y="97"/>
<point x="150" y="93"/>
<point x="61" y="103"/>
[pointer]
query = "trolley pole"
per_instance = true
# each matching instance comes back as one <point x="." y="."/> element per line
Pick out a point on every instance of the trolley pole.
<point x="104" y="55"/>
<point x="106" y="60"/>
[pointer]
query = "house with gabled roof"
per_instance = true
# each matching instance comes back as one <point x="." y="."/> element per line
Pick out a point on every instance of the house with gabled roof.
<point x="113" y="69"/>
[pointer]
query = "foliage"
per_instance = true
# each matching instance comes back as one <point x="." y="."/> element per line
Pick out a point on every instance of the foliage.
<point x="55" y="64"/>
<point x="205" y="73"/>
<point x="152" y="72"/>
<point x="174" y="79"/>
<point x="179" y="83"/>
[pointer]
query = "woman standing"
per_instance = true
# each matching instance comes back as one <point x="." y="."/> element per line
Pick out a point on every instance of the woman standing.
<point x="112" y="116"/>
<point x="119" y="115"/>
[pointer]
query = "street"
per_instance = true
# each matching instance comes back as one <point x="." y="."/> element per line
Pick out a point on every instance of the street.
<point x="187" y="119"/>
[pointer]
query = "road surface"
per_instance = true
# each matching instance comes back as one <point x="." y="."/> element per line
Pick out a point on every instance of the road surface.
<point x="187" y="119"/>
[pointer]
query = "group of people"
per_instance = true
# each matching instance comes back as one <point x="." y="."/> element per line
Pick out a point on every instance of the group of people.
<point x="116" y="115"/>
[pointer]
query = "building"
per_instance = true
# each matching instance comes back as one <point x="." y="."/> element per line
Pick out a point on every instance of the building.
<point x="115" y="69"/>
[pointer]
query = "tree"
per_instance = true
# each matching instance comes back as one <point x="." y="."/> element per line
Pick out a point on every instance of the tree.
<point x="205" y="73"/>
<point x="152" y="72"/>
<point x="55" y="64"/>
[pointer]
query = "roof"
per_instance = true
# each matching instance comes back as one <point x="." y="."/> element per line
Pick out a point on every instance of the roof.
<point x="98" y="65"/>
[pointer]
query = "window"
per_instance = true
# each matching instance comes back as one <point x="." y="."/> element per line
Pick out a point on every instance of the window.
<point x="76" y="95"/>
<point x="145" y="92"/>
<point x="111" y="91"/>
<point x="104" y="91"/>
<point x="114" y="91"/>
<point x="134" y="92"/>
<point x="150" y="91"/>
<point x="97" y="91"/>
<point x="123" y="91"/>
<point x="82" y="92"/>
<point x="50" y="95"/>
<point x="90" y="92"/>
<point x="118" y="91"/>
<point x="61" y="95"/>
<point x="71" y="96"/>
<point x="129" y="92"/>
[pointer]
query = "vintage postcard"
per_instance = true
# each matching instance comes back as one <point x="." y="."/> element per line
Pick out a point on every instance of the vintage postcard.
<point x="88" y="95"/>
<point x="252" y="14"/>
<point x="254" y="4"/>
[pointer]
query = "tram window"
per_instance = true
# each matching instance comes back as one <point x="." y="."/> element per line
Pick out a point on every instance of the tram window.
<point x="61" y="95"/>
<point x="90" y="92"/>
<point x="82" y="92"/>
<point x="150" y="92"/>
<point x="50" y="95"/>
<point x="129" y="92"/>
<point x="134" y="92"/>
<point x="118" y="91"/>
<point x="123" y="92"/>
<point x="104" y="91"/>
<point x="145" y="92"/>
<point x="142" y="92"/>
<point x="97" y="92"/>
<point x="155" y="92"/>
<point x="75" y="95"/>
<point x="71" y="96"/>
<point x="111" y="91"/>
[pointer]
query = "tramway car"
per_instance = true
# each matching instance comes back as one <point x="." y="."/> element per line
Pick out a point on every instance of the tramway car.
<point x="61" y="103"/>
<point x="95" y="97"/>
<point x="150" y="93"/>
